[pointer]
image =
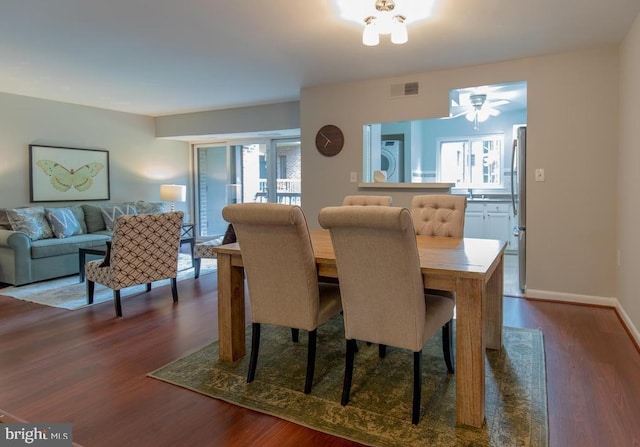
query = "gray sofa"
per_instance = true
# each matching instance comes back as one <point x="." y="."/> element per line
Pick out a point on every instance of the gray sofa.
<point x="38" y="243"/>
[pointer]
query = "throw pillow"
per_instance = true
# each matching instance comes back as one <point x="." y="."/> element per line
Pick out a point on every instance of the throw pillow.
<point x="93" y="218"/>
<point x="30" y="221"/>
<point x="150" y="207"/>
<point x="63" y="222"/>
<point x="111" y="214"/>
<point x="229" y="236"/>
<point x="79" y="213"/>
<point x="4" y="219"/>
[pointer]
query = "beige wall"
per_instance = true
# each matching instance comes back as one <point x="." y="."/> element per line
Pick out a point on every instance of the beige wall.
<point x="573" y="134"/>
<point x="629" y="178"/>
<point x="139" y="162"/>
<point x="262" y="118"/>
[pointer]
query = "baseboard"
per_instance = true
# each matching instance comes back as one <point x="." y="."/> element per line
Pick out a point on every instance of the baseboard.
<point x="592" y="301"/>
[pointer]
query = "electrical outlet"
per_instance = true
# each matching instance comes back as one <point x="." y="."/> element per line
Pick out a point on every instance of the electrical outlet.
<point x="354" y="177"/>
<point x="539" y="175"/>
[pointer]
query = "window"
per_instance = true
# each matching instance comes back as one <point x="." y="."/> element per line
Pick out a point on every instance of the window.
<point x="473" y="161"/>
<point x="239" y="171"/>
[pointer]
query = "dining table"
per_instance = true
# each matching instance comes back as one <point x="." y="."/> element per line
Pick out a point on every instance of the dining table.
<point x="472" y="268"/>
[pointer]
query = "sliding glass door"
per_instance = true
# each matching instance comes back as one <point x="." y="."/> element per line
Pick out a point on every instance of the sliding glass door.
<point x="238" y="172"/>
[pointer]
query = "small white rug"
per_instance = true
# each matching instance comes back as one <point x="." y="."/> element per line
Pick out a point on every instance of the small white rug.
<point x="68" y="293"/>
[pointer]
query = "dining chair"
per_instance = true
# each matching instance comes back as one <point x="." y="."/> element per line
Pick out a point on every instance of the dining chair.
<point x="439" y="215"/>
<point x="382" y="289"/>
<point x="281" y="275"/>
<point x="367" y="200"/>
<point x="144" y="248"/>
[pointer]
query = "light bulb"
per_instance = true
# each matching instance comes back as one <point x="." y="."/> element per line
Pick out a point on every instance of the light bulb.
<point x="370" y="36"/>
<point x="399" y="33"/>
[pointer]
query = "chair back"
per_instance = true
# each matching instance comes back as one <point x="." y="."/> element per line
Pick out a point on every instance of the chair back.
<point x="379" y="270"/>
<point x="439" y="214"/>
<point x="279" y="263"/>
<point x="367" y="200"/>
<point x="144" y="248"/>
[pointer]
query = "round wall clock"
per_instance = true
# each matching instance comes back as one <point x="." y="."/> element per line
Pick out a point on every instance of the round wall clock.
<point x="329" y="140"/>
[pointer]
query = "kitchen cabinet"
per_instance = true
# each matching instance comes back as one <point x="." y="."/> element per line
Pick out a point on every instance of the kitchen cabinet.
<point x="490" y="220"/>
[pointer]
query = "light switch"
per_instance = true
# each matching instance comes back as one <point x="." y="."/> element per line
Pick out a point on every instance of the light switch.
<point x="354" y="177"/>
<point x="539" y="175"/>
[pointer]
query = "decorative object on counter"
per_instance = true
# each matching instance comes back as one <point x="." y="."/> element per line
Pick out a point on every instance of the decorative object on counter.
<point x="68" y="174"/>
<point x="379" y="176"/>
<point x="173" y="194"/>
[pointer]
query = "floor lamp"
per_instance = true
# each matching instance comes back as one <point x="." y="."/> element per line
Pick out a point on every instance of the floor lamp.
<point x="173" y="194"/>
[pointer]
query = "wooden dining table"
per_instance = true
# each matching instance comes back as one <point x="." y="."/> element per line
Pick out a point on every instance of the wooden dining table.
<point x="472" y="268"/>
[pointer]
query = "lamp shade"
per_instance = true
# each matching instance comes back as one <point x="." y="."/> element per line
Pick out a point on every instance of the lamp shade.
<point x="173" y="193"/>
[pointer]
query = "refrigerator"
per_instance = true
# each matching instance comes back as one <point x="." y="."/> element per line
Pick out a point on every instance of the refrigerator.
<point x="519" y="200"/>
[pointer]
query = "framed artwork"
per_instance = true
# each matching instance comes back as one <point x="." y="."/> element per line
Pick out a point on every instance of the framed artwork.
<point x="62" y="174"/>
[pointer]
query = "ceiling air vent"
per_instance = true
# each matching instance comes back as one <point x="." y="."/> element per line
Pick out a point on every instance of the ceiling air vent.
<point x="406" y="89"/>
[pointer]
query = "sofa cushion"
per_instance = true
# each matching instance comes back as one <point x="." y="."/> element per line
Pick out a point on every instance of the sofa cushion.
<point x="45" y="248"/>
<point x="31" y="221"/>
<point x="63" y="222"/>
<point x="111" y="213"/>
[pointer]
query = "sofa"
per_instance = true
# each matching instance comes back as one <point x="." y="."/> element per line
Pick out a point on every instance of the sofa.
<point x="39" y="243"/>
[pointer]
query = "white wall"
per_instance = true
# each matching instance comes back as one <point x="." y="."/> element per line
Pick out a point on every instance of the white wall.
<point x="138" y="161"/>
<point x="572" y="133"/>
<point x="629" y="178"/>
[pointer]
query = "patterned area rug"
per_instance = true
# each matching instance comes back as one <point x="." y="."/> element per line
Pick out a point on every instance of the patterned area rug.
<point x="68" y="293"/>
<point x="379" y="412"/>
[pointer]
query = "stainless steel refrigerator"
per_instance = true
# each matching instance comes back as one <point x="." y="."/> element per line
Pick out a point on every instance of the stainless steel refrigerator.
<point x="519" y="200"/>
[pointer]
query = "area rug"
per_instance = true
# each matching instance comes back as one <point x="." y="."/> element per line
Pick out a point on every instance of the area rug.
<point x="68" y="293"/>
<point x="379" y="412"/>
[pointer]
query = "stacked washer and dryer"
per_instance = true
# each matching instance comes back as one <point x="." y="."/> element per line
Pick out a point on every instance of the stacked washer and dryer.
<point x="391" y="160"/>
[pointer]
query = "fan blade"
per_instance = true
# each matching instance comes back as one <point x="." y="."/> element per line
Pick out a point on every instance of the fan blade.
<point x="498" y="103"/>
<point x="493" y="112"/>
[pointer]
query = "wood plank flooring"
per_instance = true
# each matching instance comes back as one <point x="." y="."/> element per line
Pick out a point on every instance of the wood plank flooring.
<point x="89" y="368"/>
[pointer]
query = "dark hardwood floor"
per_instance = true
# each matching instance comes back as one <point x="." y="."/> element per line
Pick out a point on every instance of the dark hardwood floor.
<point x="89" y="368"/>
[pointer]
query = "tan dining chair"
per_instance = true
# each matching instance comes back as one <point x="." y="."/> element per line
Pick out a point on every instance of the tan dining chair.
<point x="365" y="200"/>
<point x="281" y="275"/>
<point x="439" y="215"/>
<point x="382" y="290"/>
<point x="144" y="248"/>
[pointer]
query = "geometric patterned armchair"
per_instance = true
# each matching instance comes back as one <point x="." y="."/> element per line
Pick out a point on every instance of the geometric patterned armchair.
<point x="144" y="248"/>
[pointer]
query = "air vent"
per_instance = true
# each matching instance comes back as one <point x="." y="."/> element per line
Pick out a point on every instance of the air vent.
<point x="406" y="89"/>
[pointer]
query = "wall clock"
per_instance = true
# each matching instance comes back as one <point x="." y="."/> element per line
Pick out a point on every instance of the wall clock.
<point x="329" y="140"/>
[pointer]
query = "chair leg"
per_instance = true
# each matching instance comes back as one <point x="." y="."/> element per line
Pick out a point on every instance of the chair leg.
<point x="348" y="371"/>
<point x="417" y="386"/>
<point x="447" y="345"/>
<point x="174" y="289"/>
<point x="311" y="361"/>
<point x="148" y="287"/>
<point x="255" y="347"/>
<point x="116" y="300"/>
<point x="382" y="351"/>
<point x="196" y="267"/>
<point x="295" y="335"/>
<point x="90" y="287"/>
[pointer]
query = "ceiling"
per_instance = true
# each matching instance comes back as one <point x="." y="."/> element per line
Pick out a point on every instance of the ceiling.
<point x="160" y="57"/>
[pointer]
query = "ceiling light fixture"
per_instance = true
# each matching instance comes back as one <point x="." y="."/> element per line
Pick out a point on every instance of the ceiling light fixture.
<point x="384" y="17"/>
<point x="478" y="114"/>
<point x="384" y="22"/>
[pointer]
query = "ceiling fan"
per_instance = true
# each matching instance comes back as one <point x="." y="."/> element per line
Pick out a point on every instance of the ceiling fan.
<point x="476" y="107"/>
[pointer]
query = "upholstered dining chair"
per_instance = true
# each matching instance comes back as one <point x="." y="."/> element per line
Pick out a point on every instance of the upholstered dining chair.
<point x="382" y="291"/>
<point x="144" y="248"/>
<point x="439" y="215"/>
<point x="367" y="200"/>
<point x="281" y="273"/>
